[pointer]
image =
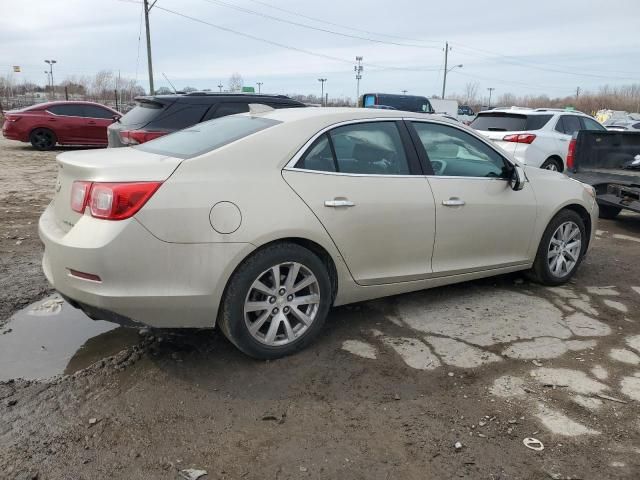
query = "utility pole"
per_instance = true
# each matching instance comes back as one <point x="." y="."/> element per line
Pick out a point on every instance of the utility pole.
<point x="404" y="92"/>
<point x="358" y="69"/>
<point x="51" y="62"/>
<point x="446" y="60"/>
<point x="220" y="87"/>
<point x="322" y="80"/>
<point x="147" y="9"/>
<point x="491" y="89"/>
<point x="259" y="86"/>
<point x="577" y="93"/>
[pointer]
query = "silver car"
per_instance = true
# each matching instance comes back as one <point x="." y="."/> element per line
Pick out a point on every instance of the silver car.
<point x="261" y="222"/>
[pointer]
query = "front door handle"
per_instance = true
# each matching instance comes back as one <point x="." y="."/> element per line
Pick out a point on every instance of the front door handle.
<point x="339" y="203"/>
<point x="453" y="202"/>
<point x="91" y="122"/>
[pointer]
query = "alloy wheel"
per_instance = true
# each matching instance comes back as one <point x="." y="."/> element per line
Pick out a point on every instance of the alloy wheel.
<point x="551" y="166"/>
<point x="42" y="139"/>
<point x="281" y="304"/>
<point x="564" y="249"/>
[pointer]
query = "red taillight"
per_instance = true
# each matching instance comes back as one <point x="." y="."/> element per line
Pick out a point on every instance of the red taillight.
<point x="112" y="201"/>
<point x="80" y="196"/>
<point x="520" y="138"/>
<point x="571" y="154"/>
<point x="136" y="137"/>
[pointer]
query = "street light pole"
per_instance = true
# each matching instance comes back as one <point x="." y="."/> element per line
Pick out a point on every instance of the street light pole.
<point x="51" y="62"/>
<point x="444" y="83"/>
<point x="322" y="80"/>
<point x="147" y="8"/>
<point x="358" y="69"/>
<point x="259" y="85"/>
<point x="491" y="89"/>
<point x="220" y="87"/>
<point x="404" y="92"/>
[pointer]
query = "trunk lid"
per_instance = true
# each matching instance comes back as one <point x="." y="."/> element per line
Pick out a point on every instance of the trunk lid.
<point x="108" y="165"/>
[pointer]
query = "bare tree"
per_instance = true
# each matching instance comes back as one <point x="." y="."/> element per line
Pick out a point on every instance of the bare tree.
<point x="471" y="93"/>
<point x="235" y="82"/>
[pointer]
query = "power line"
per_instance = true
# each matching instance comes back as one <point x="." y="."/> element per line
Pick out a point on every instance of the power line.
<point x="368" y="32"/>
<point x="522" y="63"/>
<point x="282" y="45"/>
<point x="311" y="27"/>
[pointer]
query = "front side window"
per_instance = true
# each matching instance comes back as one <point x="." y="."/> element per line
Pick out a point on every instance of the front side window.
<point x="590" y="124"/>
<point x="207" y="136"/>
<point x="455" y="153"/>
<point x="93" y="111"/>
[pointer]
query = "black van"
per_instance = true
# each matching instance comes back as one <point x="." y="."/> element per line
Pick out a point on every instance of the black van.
<point x="157" y="115"/>
<point x="407" y="103"/>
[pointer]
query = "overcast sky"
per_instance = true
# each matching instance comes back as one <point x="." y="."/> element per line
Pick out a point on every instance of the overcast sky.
<point x="547" y="46"/>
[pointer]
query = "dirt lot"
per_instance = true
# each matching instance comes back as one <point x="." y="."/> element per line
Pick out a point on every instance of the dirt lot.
<point x="386" y="393"/>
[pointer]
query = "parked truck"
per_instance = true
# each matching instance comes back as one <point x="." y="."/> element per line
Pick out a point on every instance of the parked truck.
<point x="610" y="162"/>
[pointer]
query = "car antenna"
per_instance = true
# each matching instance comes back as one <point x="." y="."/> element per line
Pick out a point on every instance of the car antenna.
<point x="167" y="78"/>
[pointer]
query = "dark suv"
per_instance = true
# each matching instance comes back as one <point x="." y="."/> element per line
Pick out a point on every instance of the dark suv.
<point x="158" y="115"/>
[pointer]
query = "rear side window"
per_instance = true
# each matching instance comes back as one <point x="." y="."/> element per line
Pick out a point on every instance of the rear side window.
<point x="142" y="114"/>
<point x="373" y="148"/>
<point x="68" y="110"/>
<point x="568" y="124"/>
<point x="179" y="116"/>
<point x="206" y="137"/>
<point x="226" y="108"/>
<point x="509" y="122"/>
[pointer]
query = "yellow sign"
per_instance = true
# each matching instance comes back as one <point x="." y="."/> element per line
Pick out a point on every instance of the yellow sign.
<point x="16" y="68"/>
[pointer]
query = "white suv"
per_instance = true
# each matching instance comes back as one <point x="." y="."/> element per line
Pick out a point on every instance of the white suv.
<point x="539" y="137"/>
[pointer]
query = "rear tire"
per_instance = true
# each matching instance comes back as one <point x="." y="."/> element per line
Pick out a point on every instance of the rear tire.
<point x="558" y="257"/>
<point x="268" y="316"/>
<point x="43" y="139"/>
<point x="609" y="212"/>
<point x="552" y="164"/>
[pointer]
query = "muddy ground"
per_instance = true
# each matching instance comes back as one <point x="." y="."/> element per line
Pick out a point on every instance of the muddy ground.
<point x="386" y="392"/>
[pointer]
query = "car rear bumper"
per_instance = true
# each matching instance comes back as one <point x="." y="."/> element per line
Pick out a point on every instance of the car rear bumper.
<point x="9" y="132"/>
<point x="142" y="279"/>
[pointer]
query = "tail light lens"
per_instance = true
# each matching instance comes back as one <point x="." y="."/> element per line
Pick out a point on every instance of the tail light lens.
<point x="112" y="201"/>
<point x="136" y="137"/>
<point x="571" y="154"/>
<point x="520" y="138"/>
<point x="79" y="196"/>
<point x="12" y="118"/>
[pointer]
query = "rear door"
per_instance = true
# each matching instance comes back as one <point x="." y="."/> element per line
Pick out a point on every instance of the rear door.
<point x="565" y="128"/>
<point x="363" y="181"/>
<point x="97" y="121"/>
<point x="68" y="122"/>
<point x="481" y="222"/>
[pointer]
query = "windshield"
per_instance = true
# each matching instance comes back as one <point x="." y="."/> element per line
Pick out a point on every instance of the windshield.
<point x="142" y="113"/>
<point x="206" y="137"/>
<point x="408" y="103"/>
<point x="509" y="122"/>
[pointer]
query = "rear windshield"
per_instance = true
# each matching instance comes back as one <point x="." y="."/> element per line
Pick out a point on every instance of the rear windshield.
<point x="142" y="113"/>
<point x="408" y="103"/>
<point x="509" y="122"/>
<point x="207" y="136"/>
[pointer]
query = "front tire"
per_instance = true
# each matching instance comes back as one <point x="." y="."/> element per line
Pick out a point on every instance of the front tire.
<point x="276" y="302"/>
<point x="43" y="139"/>
<point x="561" y="249"/>
<point x="552" y="164"/>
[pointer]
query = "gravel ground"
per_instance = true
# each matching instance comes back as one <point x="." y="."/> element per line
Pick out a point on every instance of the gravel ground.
<point x="386" y="393"/>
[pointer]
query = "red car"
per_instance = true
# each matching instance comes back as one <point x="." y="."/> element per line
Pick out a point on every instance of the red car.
<point x="65" y="123"/>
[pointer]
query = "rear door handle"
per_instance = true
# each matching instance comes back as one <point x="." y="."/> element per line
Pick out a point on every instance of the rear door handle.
<point x="453" y="202"/>
<point x="339" y="203"/>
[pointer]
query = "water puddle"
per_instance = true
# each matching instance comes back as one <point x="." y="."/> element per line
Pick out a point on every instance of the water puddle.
<point x="51" y="337"/>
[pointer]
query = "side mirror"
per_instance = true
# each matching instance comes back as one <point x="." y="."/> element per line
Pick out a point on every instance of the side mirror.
<point x="116" y="117"/>
<point x="518" y="178"/>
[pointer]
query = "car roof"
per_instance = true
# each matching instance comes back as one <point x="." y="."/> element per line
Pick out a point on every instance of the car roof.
<point x="340" y="114"/>
<point x="533" y="111"/>
<point x="213" y="97"/>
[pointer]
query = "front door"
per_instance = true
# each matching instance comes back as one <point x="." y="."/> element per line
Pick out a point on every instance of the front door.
<point x="481" y="223"/>
<point x="367" y="190"/>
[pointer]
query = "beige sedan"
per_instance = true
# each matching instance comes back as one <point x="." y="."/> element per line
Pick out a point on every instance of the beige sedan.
<point x="261" y="222"/>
